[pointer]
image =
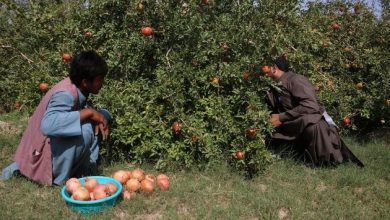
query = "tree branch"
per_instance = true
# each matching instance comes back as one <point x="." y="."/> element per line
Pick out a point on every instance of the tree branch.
<point x="22" y="54"/>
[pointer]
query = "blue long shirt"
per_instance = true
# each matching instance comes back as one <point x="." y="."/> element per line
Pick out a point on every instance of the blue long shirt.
<point x="73" y="143"/>
<point x="60" y="119"/>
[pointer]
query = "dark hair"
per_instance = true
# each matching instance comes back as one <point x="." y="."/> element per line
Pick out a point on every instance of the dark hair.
<point x="87" y="65"/>
<point x="282" y="63"/>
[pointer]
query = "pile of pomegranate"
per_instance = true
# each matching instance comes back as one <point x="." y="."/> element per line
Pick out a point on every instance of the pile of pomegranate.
<point x="91" y="190"/>
<point x="137" y="180"/>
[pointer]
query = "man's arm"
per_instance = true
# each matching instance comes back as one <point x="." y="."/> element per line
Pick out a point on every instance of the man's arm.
<point x="302" y="92"/>
<point x="60" y="120"/>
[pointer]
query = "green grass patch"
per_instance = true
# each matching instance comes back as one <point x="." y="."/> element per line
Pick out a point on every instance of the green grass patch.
<point x="288" y="189"/>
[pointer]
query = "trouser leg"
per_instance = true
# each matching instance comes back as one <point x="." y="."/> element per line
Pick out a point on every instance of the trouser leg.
<point x="7" y="172"/>
<point x="322" y="146"/>
<point x="69" y="154"/>
<point x="90" y="158"/>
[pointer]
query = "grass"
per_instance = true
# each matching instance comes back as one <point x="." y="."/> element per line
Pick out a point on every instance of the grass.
<point x="288" y="190"/>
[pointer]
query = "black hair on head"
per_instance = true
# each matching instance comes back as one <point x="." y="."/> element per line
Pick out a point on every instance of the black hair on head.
<point x="282" y="63"/>
<point x="87" y="65"/>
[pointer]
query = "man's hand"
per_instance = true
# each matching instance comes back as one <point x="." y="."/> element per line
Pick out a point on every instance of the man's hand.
<point x="274" y="120"/>
<point x="102" y="129"/>
<point x="101" y="124"/>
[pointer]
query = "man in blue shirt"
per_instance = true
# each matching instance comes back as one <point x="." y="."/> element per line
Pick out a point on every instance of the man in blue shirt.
<point x="69" y="128"/>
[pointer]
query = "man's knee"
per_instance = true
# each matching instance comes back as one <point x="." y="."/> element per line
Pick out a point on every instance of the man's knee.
<point x="106" y="114"/>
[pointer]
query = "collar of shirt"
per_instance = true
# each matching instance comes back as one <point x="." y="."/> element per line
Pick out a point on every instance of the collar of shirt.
<point x="82" y="98"/>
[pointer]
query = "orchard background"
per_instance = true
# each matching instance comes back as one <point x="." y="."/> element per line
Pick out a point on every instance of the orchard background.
<point x="191" y="93"/>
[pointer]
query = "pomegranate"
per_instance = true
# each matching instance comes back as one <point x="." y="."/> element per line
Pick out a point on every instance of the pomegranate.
<point x="111" y="188"/>
<point x="81" y="193"/>
<point x="176" y="127"/>
<point x="265" y="69"/>
<point x="66" y="57"/>
<point x="90" y="184"/>
<point x="141" y="7"/>
<point x="225" y="46"/>
<point x="43" y="87"/>
<point x="138" y="174"/>
<point x="346" y="120"/>
<point x="246" y="76"/>
<point x="88" y="34"/>
<point x="251" y="132"/>
<point x="91" y="195"/>
<point x="147" y="186"/>
<point x="163" y="184"/>
<point x="133" y="185"/>
<point x="121" y="176"/>
<point x="239" y="155"/>
<point x="128" y="173"/>
<point x="359" y="86"/>
<point x="72" y="184"/>
<point x="127" y="195"/>
<point x="194" y="62"/>
<point x="195" y="138"/>
<point x="146" y="31"/>
<point x="335" y="26"/>
<point x="215" y="80"/>
<point x="18" y="104"/>
<point x="100" y="192"/>
<point x="162" y="176"/>
<point x="150" y="177"/>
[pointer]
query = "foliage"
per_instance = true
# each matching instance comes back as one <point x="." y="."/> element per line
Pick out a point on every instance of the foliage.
<point x="191" y="69"/>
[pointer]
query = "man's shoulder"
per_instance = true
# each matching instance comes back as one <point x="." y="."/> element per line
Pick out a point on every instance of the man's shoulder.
<point x="290" y="77"/>
<point x="63" y="96"/>
<point x="295" y="77"/>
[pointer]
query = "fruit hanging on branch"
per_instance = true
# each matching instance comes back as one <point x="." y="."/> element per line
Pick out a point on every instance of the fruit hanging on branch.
<point x="146" y="31"/>
<point x="251" y="132"/>
<point x="66" y="57"/>
<point x="195" y="138"/>
<point x="347" y="49"/>
<point x="205" y="2"/>
<point x="239" y="155"/>
<point x="347" y="121"/>
<point x="215" y="80"/>
<point x="359" y="86"/>
<point x="194" y="62"/>
<point x="141" y="7"/>
<point x="330" y="83"/>
<point x="225" y="46"/>
<point x="265" y="69"/>
<point x="43" y="87"/>
<point x="176" y="127"/>
<point x="335" y="26"/>
<point x="88" y="34"/>
<point x="317" y="87"/>
<point x="18" y="104"/>
<point x="246" y="75"/>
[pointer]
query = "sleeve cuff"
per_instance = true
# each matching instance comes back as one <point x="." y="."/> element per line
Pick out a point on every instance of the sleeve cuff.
<point x="283" y="117"/>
